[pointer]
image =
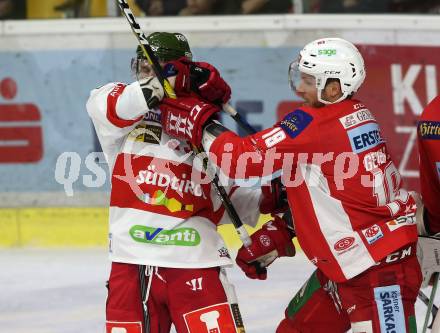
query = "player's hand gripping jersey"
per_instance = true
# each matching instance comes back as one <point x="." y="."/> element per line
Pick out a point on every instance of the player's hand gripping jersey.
<point x="345" y="192"/>
<point x="429" y="149"/>
<point x="159" y="214"/>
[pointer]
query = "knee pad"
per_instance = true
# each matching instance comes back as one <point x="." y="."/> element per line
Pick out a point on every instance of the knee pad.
<point x="123" y="327"/>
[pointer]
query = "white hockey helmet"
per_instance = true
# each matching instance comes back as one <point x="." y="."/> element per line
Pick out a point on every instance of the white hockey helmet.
<point x="330" y="58"/>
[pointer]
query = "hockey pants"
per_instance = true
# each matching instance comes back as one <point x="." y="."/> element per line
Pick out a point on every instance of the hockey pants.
<point x="380" y="299"/>
<point x="194" y="300"/>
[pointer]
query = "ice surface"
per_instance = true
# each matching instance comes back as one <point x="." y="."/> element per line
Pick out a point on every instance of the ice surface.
<point x="63" y="291"/>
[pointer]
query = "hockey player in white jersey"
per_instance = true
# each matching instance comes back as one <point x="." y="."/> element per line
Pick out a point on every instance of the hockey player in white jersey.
<point x="166" y="254"/>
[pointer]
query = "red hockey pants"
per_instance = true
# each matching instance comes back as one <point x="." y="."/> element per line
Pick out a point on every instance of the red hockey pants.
<point x="194" y="300"/>
<point x="380" y="299"/>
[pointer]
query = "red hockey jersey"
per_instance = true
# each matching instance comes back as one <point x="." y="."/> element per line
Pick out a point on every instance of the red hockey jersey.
<point x="344" y="191"/>
<point x="428" y="134"/>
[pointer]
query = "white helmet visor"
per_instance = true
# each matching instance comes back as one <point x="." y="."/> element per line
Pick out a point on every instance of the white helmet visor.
<point x="298" y="80"/>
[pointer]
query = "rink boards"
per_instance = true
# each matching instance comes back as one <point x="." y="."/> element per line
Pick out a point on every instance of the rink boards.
<point x="71" y="227"/>
<point x="54" y="183"/>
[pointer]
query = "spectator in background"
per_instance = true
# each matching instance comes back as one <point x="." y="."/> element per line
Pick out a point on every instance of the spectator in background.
<point x="416" y="6"/>
<point x="266" y="6"/>
<point x="161" y="7"/>
<point x="367" y="6"/>
<point x="211" y="7"/>
<point x="73" y="8"/>
<point x="372" y="6"/>
<point x="12" y="10"/>
<point x="6" y="7"/>
<point x="352" y="6"/>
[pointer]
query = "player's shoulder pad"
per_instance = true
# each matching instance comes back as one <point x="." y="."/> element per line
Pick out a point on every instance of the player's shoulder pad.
<point x="295" y="122"/>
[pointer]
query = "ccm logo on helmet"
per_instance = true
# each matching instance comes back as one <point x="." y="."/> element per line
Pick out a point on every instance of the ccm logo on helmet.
<point x="332" y="72"/>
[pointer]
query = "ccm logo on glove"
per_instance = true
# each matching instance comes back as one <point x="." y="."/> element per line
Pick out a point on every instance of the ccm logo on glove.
<point x="184" y="117"/>
<point x="180" y="124"/>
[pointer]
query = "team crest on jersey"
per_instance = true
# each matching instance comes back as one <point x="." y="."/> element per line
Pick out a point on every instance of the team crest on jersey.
<point x="365" y="137"/>
<point x="429" y="130"/>
<point x="295" y="122"/>
<point x="223" y="252"/>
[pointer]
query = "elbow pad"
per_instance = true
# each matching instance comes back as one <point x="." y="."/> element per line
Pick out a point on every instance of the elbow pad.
<point x="152" y="91"/>
<point x="139" y="97"/>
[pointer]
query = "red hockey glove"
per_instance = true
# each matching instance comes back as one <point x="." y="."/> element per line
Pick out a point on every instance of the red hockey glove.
<point x="180" y="69"/>
<point x="200" y="78"/>
<point x="184" y="117"/>
<point x="207" y="82"/>
<point x="273" y="240"/>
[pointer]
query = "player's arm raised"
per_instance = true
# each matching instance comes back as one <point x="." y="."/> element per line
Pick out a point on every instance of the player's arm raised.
<point x="260" y="155"/>
<point x="116" y="107"/>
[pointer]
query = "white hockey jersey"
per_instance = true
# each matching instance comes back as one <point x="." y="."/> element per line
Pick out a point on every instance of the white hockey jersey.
<point x="163" y="210"/>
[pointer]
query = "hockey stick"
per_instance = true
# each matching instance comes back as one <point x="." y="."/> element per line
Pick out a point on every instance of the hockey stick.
<point x="434" y="309"/>
<point x="144" y="300"/>
<point x="152" y="59"/>
<point x="238" y="119"/>
<point x="146" y="48"/>
<point x="220" y="190"/>
<point x="431" y="302"/>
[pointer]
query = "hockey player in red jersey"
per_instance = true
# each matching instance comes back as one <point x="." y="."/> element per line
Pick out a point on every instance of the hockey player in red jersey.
<point x="428" y="138"/>
<point x="353" y="219"/>
<point x="166" y="254"/>
<point x="428" y="214"/>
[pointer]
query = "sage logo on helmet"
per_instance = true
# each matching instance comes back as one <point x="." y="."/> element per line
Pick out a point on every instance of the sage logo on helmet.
<point x="330" y="58"/>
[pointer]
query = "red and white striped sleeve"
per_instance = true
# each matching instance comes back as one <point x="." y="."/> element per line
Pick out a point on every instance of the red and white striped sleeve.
<point x="115" y="109"/>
